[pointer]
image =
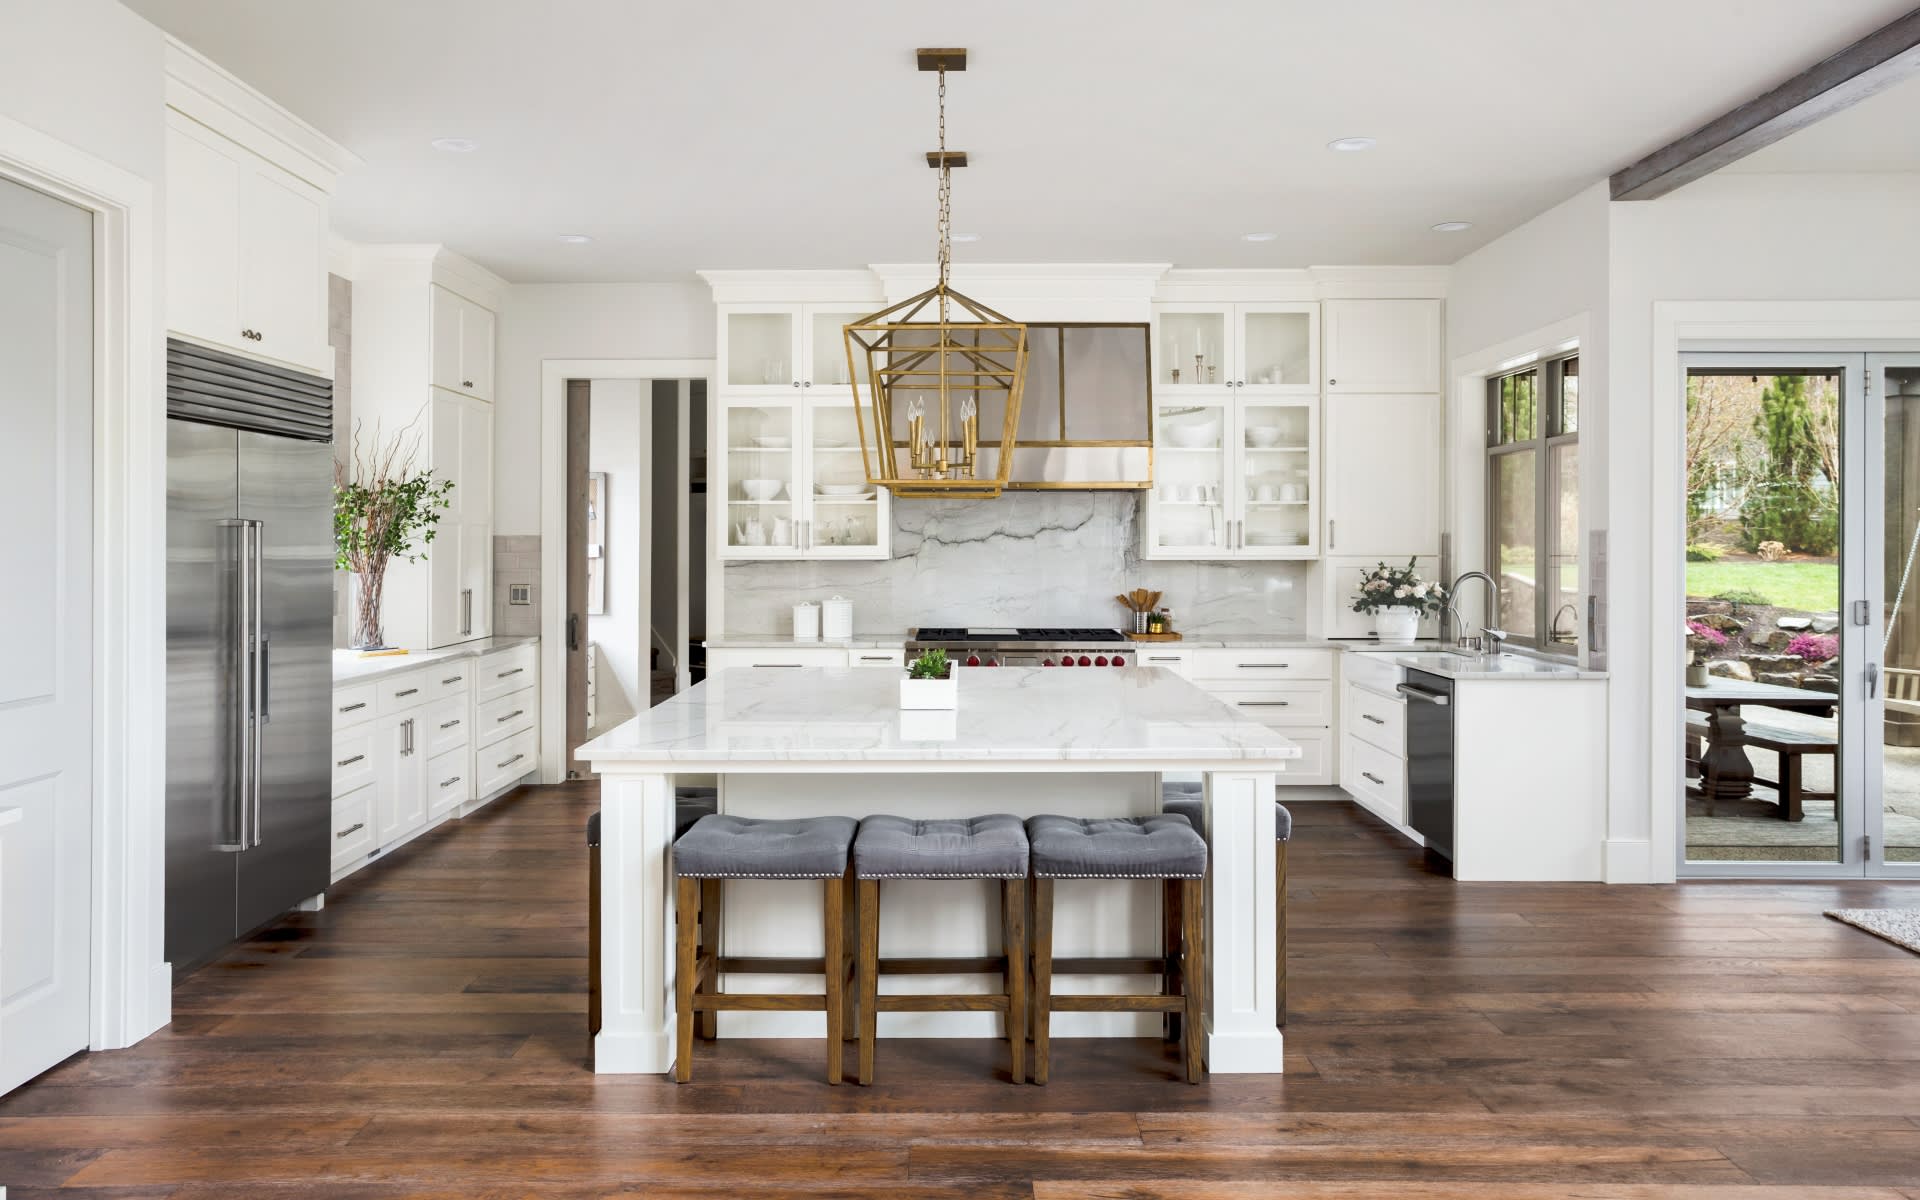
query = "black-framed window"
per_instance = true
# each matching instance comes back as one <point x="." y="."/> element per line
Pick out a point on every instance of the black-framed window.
<point x="1533" y="502"/>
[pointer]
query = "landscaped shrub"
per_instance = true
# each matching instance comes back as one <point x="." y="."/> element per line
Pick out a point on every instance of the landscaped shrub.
<point x="1814" y="647"/>
<point x="1803" y="518"/>
<point x="1743" y="596"/>
<point x="1703" y="552"/>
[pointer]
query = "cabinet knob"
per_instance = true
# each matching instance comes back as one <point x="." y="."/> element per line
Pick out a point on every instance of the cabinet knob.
<point x="466" y="383"/>
<point x="1331" y="382"/>
<point x="796" y="383"/>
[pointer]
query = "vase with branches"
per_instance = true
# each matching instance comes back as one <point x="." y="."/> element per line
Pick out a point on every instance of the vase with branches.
<point x="382" y="509"/>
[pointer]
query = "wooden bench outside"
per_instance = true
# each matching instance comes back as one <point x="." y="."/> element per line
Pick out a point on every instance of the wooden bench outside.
<point x="1790" y="744"/>
<point x="1903" y="690"/>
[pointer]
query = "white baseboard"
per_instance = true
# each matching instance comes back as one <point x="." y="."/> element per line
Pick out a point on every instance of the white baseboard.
<point x="1629" y="860"/>
<point x="1246" y="1053"/>
<point x="631" y="1053"/>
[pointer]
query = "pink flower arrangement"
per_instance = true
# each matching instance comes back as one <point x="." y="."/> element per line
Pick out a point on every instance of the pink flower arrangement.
<point x="1708" y="634"/>
<point x="1814" y="647"/>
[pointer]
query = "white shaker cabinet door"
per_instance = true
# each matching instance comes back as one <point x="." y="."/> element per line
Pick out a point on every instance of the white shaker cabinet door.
<point x="1382" y="345"/>
<point x="283" y="268"/>
<point x="1383" y="476"/>
<point x="203" y="251"/>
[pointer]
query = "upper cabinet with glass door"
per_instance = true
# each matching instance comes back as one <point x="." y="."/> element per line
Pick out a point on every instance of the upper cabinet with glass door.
<point x="844" y="515"/>
<point x="785" y="347"/>
<point x="762" y="480"/>
<point x="1272" y="347"/>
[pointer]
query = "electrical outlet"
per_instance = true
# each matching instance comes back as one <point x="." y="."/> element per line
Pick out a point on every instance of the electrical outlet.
<point x="520" y="593"/>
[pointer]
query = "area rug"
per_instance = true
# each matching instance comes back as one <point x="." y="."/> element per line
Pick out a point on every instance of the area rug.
<point x="1901" y="926"/>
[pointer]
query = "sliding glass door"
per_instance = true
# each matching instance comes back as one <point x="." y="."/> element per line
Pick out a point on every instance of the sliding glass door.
<point x="1803" y="615"/>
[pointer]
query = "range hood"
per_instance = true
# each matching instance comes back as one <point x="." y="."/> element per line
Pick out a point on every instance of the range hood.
<point x="1086" y="419"/>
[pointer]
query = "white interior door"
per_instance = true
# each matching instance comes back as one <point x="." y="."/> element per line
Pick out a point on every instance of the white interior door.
<point x="46" y="704"/>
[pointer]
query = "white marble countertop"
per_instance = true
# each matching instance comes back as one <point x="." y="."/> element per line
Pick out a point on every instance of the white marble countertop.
<point x="1476" y="667"/>
<point x="1247" y="641"/>
<point x="349" y="667"/>
<point x="774" y="641"/>
<point x="1015" y="714"/>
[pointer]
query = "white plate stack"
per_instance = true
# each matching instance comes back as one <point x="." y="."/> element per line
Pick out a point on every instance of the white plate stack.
<point x="836" y="620"/>
<point x="806" y="622"/>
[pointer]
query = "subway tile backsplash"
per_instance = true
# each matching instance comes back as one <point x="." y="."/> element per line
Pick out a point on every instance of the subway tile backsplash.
<point x="516" y="561"/>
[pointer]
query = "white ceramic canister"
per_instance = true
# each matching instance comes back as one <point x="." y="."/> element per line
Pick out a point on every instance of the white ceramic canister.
<point x="806" y="622"/>
<point x="836" y="618"/>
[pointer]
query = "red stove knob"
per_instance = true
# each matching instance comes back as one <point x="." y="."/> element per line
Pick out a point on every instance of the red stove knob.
<point x="1047" y="663"/>
<point x="1066" y="660"/>
<point x="1085" y="661"/>
<point x="1100" y="661"/>
<point x="1118" y="661"/>
<point x="993" y="662"/>
<point x="973" y="660"/>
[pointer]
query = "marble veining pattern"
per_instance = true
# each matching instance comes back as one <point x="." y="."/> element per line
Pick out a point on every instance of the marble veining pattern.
<point x="1027" y="558"/>
<point x="1010" y="714"/>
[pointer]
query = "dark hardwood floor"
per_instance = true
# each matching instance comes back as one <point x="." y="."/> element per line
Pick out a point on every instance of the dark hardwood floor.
<point x="424" y="1036"/>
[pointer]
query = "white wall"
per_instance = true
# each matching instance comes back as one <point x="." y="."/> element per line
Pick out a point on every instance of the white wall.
<point x="89" y="73"/>
<point x="542" y="321"/>
<point x="1727" y="237"/>
<point x="616" y="446"/>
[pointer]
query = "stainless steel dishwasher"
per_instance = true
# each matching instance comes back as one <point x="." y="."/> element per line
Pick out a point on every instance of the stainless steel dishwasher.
<point x="1430" y="758"/>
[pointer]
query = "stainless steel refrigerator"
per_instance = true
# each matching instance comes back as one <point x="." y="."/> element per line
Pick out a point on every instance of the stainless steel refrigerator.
<point x="249" y="646"/>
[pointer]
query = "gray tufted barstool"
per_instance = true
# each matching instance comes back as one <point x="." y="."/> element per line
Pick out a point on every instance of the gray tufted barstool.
<point x="721" y="847"/>
<point x="1185" y="800"/>
<point x="1161" y="847"/>
<point x="992" y="847"/>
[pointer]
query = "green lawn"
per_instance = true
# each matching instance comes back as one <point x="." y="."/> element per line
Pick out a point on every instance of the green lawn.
<point x="1807" y="586"/>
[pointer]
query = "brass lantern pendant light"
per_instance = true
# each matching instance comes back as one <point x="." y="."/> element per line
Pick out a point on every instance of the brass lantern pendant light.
<point x="933" y="371"/>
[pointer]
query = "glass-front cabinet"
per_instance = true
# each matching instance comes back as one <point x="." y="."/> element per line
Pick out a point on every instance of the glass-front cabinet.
<point x="794" y="483"/>
<point x="786" y="348"/>
<point x="1267" y="347"/>
<point x="1234" y="477"/>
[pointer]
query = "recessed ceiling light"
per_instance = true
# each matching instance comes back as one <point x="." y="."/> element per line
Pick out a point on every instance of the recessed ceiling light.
<point x="575" y="239"/>
<point x="964" y="237"/>
<point x="456" y="145"/>
<point x="1258" y="237"/>
<point x="1452" y="226"/>
<point x="1350" y="144"/>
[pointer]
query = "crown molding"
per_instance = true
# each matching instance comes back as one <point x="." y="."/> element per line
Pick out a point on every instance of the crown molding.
<point x="793" y="287"/>
<point x="203" y="90"/>
<point x="428" y="262"/>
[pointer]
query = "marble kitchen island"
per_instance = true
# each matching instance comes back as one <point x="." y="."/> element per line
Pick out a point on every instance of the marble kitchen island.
<point x="832" y="741"/>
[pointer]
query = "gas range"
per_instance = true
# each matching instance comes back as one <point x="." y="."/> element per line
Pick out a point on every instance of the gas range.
<point x="1006" y="646"/>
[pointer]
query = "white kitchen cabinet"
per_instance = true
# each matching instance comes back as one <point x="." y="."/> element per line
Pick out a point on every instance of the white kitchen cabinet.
<point x="774" y="658"/>
<point x="1373" y="747"/>
<point x="1290" y="690"/>
<point x="447" y="597"/>
<point x="1382" y="346"/>
<point x="783" y="348"/>
<point x="412" y="748"/>
<point x="1383" y="475"/>
<point x="246" y="251"/>
<point x="1236" y="476"/>
<point x="795" y="482"/>
<point x="463" y="335"/>
<point x="1271" y="347"/>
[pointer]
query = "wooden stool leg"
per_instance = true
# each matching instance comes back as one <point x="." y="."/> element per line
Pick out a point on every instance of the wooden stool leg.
<point x="1042" y="976"/>
<point x="849" y="1020"/>
<point x="833" y="922"/>
<point x="710" y="899"/>
<point x="1170" y="954"/>
<point x="686" y="945"/>
<point x="1280" y="933"/>
<point x="1013" y="919"/>
<point x="869" y="973"/>
<point x="1193" y="970"/>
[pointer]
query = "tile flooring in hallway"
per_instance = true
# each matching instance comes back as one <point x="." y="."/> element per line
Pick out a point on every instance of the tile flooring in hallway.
<point x="424" y="1036"/>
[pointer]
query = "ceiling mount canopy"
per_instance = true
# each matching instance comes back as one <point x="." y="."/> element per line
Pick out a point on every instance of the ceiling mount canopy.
<point x="931" y="372"/>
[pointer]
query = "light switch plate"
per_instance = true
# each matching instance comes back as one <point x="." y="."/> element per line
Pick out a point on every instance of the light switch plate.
<point x="520" y="593"/>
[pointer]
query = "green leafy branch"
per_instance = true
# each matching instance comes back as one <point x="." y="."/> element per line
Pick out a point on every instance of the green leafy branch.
<point x="382" y="507"/>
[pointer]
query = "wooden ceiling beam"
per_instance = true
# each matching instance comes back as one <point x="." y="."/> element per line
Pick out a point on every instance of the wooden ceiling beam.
<point x="1885" y="57"/>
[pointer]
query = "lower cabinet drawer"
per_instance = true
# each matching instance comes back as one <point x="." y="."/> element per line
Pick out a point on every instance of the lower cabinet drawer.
<point x="503" y="762"/>
<point x="1180" y="662"/>
<point x="353" y="756"/>
<point x="785" y="657"/>
<point x="1233" y="667"/>
<point x="509" y="671"/>
<point x="449" y="782"/>
<point x="353" y="826"/>
<point x="408" y="691"/>
<point x="1376" y="779"/>
<point x="878" y="658"/>
<point x="505" y="716"/>
<point x="1315" y="764"/>
<point x="446" y="724"/>
<point x="1374" y="718"/>
<point x="352" y="705"/>
<point x="1281" y="703"/>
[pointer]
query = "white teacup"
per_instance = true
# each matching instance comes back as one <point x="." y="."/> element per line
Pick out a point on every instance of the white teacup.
<point x="1267" y="493"/>
<point x="1293" y="491"/>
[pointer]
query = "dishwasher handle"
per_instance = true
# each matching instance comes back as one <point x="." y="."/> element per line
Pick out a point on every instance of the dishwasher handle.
<point x="1422" y="694"/>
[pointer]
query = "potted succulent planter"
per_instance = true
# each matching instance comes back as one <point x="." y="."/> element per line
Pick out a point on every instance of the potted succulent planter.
<point x="931" y="682"/>
<point x="1397" y="598"/>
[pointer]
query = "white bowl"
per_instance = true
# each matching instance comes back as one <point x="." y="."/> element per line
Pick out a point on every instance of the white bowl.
<point x="761" y="489"/>
<point x="841" y="489"/>
<point x="1194" y="434"/>
<point x="773" y="443"/>
<point x="1264" y="435"/>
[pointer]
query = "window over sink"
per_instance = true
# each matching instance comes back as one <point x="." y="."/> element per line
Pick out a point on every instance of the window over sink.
<point x="1533" y="502"/>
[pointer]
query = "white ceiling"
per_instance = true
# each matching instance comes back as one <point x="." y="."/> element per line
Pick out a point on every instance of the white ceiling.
<point x="769" y="133"/>
<point x="1881" y="133"/>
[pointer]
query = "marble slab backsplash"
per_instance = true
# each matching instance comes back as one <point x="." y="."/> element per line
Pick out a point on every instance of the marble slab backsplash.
<point x="1027" y="558"/>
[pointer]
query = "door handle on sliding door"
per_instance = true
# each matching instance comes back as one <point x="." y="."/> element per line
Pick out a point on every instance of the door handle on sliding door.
<point x="1873" y="680"/>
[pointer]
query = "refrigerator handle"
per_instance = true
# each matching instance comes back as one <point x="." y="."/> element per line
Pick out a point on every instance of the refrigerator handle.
<point x="261" y="710"/>
<point x="237" y="751"/>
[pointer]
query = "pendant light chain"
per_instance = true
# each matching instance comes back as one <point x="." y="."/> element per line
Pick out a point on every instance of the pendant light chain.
<point x="945" y="227"/>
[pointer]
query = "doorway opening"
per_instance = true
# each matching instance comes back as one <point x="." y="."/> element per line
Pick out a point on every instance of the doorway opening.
<point x="1802" y="702"/>
<point x="636" y="548"/>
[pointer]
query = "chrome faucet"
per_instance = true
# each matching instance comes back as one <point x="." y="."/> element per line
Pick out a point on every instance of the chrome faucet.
<point x="1490" y="639"/>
